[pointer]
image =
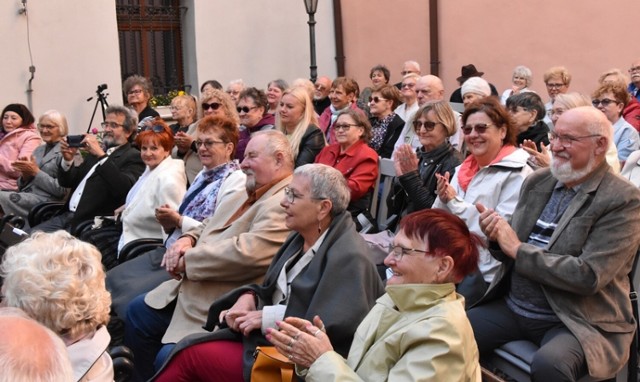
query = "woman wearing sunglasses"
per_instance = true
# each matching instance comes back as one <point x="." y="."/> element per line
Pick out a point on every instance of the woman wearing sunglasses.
<point x="386" y="125"/>
<point x="417" y="331"/>
<point x="415" y="184"/>
<point x="492" y="175"/>
<point x="216" y="103"/>
<point x="297" y="119"/>
<point x="253" y="105"/>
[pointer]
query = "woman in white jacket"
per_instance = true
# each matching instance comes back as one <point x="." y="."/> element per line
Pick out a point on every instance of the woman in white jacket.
<point x="492" y="175"/>
<point x="163" y="182"/>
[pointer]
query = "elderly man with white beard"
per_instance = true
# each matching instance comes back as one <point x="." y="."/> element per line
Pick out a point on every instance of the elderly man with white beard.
<point x="566" y="255"/>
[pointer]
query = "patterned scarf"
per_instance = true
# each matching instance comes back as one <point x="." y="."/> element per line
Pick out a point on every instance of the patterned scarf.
<point x="470" y="167"/>
<point x="379" y="131"/>
<point x="200" y="201"/>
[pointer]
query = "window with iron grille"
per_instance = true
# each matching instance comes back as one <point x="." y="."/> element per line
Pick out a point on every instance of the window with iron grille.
<point x="150" y="37"/>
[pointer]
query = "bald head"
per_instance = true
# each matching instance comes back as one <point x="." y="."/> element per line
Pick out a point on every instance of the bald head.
<point x="581" y="137"/>
<point x="429" y="88"/>
<point x="322" y="87"/>
<point x="30" y="351"/>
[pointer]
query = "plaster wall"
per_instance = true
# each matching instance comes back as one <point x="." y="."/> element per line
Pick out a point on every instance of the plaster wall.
<point x="257" y="41"/>
<point x="586" y="36"/>
<point x="74" y="46"/>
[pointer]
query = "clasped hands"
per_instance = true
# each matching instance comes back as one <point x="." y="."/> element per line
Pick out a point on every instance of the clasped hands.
<point x="301" y="341"/>
<point x="27" y="167"/>
<point x="243" y="316"/>
<point x="497" y="229"/>
<point x="173" y="259"/>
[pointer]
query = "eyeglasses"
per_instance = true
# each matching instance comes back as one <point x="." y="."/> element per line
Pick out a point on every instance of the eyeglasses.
<point x="174" y="108"/>
<point x="555" y="86"/>
<point x="376" y="99"/>
<point x="634" y="69"/>
<point x="409" y="85"/>
<point x="405" y="72"/>
<point x="135" y="91"/>
<point x="212" y="106"/>
<point x="343" y="126"/>
<point x="321" y="88"/>
<point x="605" y="102"/>
<point x="423" y="91"/>
<point x="480" y="128"/>
<point x="397" y="251"/>
<point x="567" y="140"/>
<point x="428" y="125"/>
<point x="42" y="126"/>
<point x="291" y="196"/>
<point x="233" y="92"/>
<point x="245" y="109"/>
<point x="111" y="125"/>
<point x="554" y="112"/>
<point x="207" y="144"/>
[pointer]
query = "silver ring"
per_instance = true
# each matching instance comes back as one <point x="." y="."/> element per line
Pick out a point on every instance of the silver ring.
<point x="291" y="343"/>
<point x="316" y="333"/>
<point x="289" y="349"/>
<point x="295" y="338"/>
<point x="290" y="356"/>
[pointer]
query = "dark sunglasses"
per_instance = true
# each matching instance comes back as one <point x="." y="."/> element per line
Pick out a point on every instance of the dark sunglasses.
<point x="212" y="106"/>
<point x="155" y="129"/>
<point x="428" y="125"/>
<point x="376" y="99"/>
<point x="605" y="102"/>
<point x="245" y="109"/>
<point x="480" y="128"/>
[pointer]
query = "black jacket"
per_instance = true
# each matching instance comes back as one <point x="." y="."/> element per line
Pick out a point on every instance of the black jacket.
<point x="416" y="190"/>
<point x="108" y="186"/>
<point x="311" y="143"/>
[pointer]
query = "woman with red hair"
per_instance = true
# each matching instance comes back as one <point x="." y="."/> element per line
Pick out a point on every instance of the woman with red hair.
<point x="418" y="330"/>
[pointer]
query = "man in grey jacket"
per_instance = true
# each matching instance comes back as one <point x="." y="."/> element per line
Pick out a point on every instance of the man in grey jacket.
<point x="563" y="283"/>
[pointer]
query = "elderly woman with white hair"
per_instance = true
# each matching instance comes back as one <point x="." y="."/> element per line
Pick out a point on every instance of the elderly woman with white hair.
<point x="474" y="89"/>
<point x="38" y="174"/>
<point x="322" y="268"/>
<point x="520" y="80"/>
<point x="58" y="281"/>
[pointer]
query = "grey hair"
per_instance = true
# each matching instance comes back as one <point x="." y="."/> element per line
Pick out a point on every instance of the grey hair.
<point x="277" y="142"/>
<point x="326" y="183"/>
<point x="130" y="119"/>
<point x="237" y="82"/>
<point x="524" y="72"/>
<point x="58" y="118"/>
<point x="136" y="79"/>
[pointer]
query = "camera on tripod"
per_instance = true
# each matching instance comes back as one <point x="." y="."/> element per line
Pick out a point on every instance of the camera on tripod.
<point x="101" y="88"/>
<point x="102" y="101"/>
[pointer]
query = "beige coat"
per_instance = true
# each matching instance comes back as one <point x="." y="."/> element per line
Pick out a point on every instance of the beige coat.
<point x="225" y="257"/>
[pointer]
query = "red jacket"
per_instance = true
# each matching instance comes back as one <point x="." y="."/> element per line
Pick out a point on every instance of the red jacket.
<point x="359" y="166"/>
<point x="631" y="113"/>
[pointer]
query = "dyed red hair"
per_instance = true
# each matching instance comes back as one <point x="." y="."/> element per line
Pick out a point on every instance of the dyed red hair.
<point x="163" y="138"/>
<point x="446" y="235"/>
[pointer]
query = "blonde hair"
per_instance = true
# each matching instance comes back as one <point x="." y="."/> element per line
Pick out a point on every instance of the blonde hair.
<point x="59" y="281"/>
<point x="308" y="118"/>
<point x="226" y="102"/>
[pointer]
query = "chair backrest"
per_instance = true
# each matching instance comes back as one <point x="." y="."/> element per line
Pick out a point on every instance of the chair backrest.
<point x="387" y="173"/>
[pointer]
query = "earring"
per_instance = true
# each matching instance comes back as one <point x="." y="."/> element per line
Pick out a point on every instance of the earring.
<point x="319" y="226"/>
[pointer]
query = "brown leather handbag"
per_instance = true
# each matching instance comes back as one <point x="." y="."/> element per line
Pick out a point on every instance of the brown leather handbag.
<point x="271" y="366"/>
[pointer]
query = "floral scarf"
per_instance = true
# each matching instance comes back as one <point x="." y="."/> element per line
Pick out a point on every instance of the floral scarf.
<point x="379" y="130"/>
<point x="201" y="198"/>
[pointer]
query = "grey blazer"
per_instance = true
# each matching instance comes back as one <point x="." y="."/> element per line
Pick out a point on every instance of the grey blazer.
<point x="42" y="188"/>
<point x="584" y="273"/>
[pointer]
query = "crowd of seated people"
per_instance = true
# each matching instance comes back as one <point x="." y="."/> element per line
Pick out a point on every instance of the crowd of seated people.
<point x="243" y="191"/>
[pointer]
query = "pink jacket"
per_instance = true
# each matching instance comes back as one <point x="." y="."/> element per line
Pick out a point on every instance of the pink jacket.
<point x="18" y="143"/>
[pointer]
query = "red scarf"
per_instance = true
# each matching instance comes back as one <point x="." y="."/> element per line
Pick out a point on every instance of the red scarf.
<point x="470" y="166"/>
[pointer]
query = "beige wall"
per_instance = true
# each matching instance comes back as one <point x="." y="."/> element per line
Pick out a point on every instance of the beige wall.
<point x="257" y="41"/>
<point x="587" y="36"/>
<point x="74" y="49"/>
